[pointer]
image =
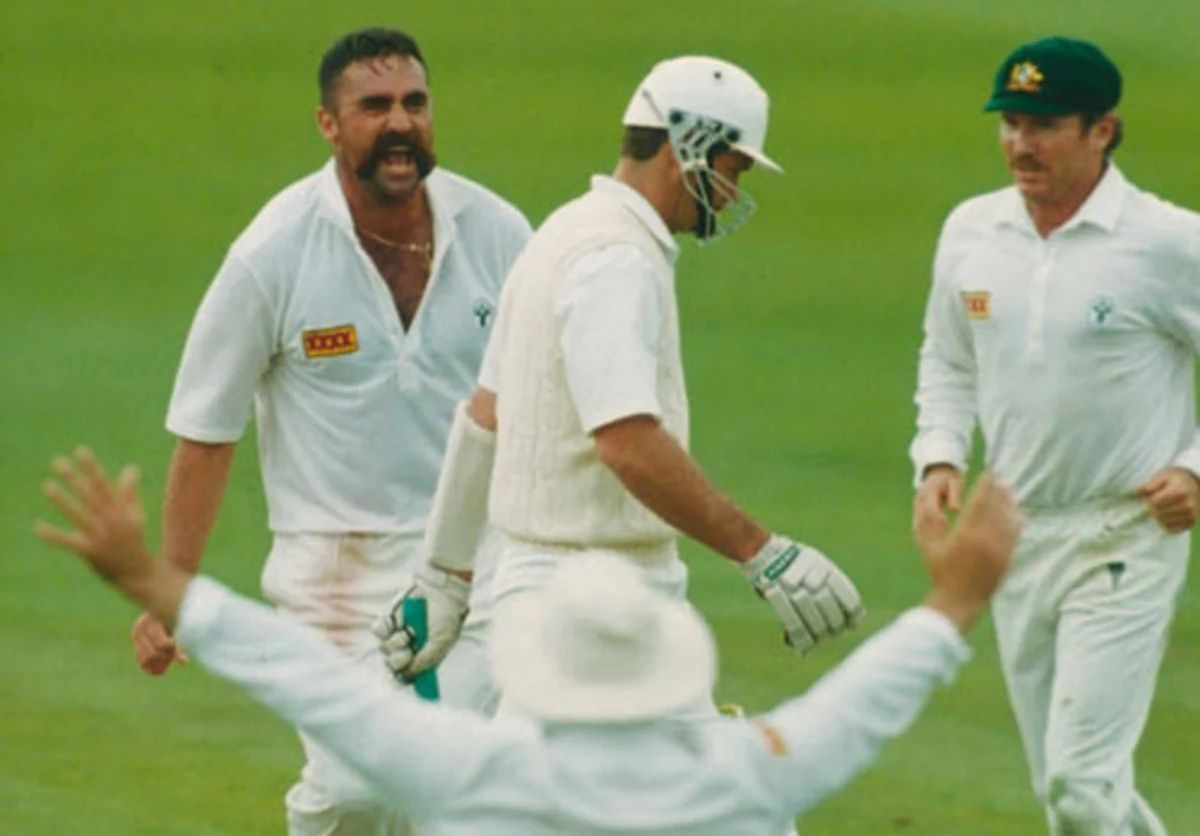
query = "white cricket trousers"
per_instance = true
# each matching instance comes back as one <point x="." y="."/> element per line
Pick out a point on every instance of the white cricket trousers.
<point x="338" y="584"/>
<point x="1082" y="620"/>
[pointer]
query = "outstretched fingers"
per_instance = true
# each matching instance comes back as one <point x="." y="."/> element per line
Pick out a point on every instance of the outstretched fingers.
<point x="66" y="471"/>
<point x="54" y="536"/>
<point x="66" y="503"/>
<point x="98" y="482"/>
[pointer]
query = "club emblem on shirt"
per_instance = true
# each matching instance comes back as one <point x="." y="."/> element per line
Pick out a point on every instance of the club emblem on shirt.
<point x="1025" y="77"/>
<point x="330" y="342"/>
<point x="483" y="311"/>
<point x="1115" y="570"/>
<point x="1100" y="312"/>
<point x="977" y="303"/>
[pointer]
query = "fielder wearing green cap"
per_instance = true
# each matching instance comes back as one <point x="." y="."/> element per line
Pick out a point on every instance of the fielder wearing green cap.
<point x="1056" y="76"/>
<point x="1064" y="320"/>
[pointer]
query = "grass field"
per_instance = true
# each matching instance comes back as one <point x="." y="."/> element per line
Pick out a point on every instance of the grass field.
<point x="138" y="140"/>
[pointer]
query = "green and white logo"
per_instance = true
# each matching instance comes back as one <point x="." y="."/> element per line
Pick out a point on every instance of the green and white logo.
<point x="1101" y="311"/>
<point x="483" y="311"/>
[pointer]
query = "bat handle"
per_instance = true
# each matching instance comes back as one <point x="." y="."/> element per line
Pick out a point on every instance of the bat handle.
<point x="416" y="616"/>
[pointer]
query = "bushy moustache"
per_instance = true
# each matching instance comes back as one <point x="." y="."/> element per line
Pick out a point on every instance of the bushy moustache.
<point x="1027" y="164"/>
<point x="424" y="159"/>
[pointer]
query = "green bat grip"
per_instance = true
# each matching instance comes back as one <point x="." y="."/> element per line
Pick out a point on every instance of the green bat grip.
<point x="416" y="616"/>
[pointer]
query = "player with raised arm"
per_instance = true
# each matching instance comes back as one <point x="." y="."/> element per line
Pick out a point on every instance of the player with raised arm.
<point x="599" y="665"/>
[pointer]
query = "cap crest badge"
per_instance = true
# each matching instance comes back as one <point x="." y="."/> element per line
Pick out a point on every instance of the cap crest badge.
<point x="1025" y="77"/>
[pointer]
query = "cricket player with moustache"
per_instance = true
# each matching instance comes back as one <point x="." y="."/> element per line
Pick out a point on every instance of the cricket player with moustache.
<point x="599" y="666"/>
<point x="575" y="440"/>
<point x="1065" y="319"/>
<point x="351" y="317"/>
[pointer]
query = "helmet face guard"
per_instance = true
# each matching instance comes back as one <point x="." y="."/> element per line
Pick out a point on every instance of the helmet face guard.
<point x="696" y="141"/>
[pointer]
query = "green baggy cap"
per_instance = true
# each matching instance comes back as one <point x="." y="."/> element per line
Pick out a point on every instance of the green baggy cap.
<point x="1056" y="76"/>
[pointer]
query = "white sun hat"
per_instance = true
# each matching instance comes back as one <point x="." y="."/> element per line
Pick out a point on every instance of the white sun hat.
<point x="708" y="87"/>
<point x="598" y="645"/>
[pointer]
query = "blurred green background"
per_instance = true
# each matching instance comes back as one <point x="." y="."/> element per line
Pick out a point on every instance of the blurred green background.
<point x="138" y="139"/>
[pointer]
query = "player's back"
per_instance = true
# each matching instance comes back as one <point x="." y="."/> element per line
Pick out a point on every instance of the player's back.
<point x="677" y="776"/>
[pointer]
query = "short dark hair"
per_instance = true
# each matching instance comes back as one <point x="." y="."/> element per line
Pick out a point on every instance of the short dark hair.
<point x="373" y="42"/>
<point x="1090" y="119"/>
<point x="642" y="143"/>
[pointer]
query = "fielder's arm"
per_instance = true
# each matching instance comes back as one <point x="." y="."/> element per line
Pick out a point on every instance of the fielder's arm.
<point x="946" y="373"/>
<point x="228" y="349"/>
<point x="196" y="484"/>
<point x="820" y="741"/>
<point x="409" y="751"/>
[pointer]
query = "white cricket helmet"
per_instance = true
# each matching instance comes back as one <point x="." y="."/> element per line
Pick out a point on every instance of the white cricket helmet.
<point x="597" y="645"/>
<point x="707" y="87"/>
<point x="705" y="103"/>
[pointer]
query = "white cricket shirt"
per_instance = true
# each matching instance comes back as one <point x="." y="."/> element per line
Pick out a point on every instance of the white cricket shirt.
<point x="457" y="773"/>
<point x="587" y="334"/>
<point x="353" y="412"/>
<point x="1074" y="352"/>
<point x="608" y="309"/>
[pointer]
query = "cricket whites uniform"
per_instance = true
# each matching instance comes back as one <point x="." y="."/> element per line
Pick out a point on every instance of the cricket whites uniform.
<point x="587" y="334"/>
<point x="1075" y="353"/>
<point x="352" y="410"/>
<point x="459" y="774"/>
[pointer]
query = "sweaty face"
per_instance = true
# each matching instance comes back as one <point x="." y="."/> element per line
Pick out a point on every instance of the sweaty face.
<point x="1052" y="158"/>
<point x="380" y="124"/>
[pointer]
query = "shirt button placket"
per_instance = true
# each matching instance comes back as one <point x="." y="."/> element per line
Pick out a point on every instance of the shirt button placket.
<point x="1039" y="289"/>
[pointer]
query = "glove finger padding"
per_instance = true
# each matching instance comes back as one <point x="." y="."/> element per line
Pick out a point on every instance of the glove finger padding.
<point x="397" y="649"/>
<point x="810" y="595"/>
<point x="835" y="617"/>
<point x="446" y="598"/>
<point x="847" y="597"/>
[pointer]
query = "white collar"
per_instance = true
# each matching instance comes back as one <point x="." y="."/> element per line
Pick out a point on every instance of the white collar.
<point x="636" y="203"/>
<point x="1102" y="207"/>
<point x="445" y="202"/>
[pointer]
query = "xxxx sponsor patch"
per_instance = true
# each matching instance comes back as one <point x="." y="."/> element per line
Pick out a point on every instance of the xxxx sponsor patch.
<point x="978" y="303"/>
<point x="330" y="342"/>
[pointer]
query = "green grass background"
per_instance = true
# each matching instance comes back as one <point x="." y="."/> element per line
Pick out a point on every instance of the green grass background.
<point x="138" y="139"/>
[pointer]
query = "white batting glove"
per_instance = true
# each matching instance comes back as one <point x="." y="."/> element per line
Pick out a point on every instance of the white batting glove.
<point x="446" y="599"/>
<point x="812" y="597"/>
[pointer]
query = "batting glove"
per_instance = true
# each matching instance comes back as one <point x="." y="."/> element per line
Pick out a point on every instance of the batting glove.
<point x="446" y="599"/>
<point x="812" y="597"/>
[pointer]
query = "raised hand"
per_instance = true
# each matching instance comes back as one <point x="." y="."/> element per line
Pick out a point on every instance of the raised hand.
<point x="966" y="564"/>
<point x="109" y="532"/>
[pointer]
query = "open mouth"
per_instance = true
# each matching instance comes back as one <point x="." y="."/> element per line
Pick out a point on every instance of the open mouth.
<point x="398" y="160"/>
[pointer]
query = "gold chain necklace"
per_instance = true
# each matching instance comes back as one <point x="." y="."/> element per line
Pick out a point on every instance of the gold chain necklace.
<point x="425" y="248"/>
